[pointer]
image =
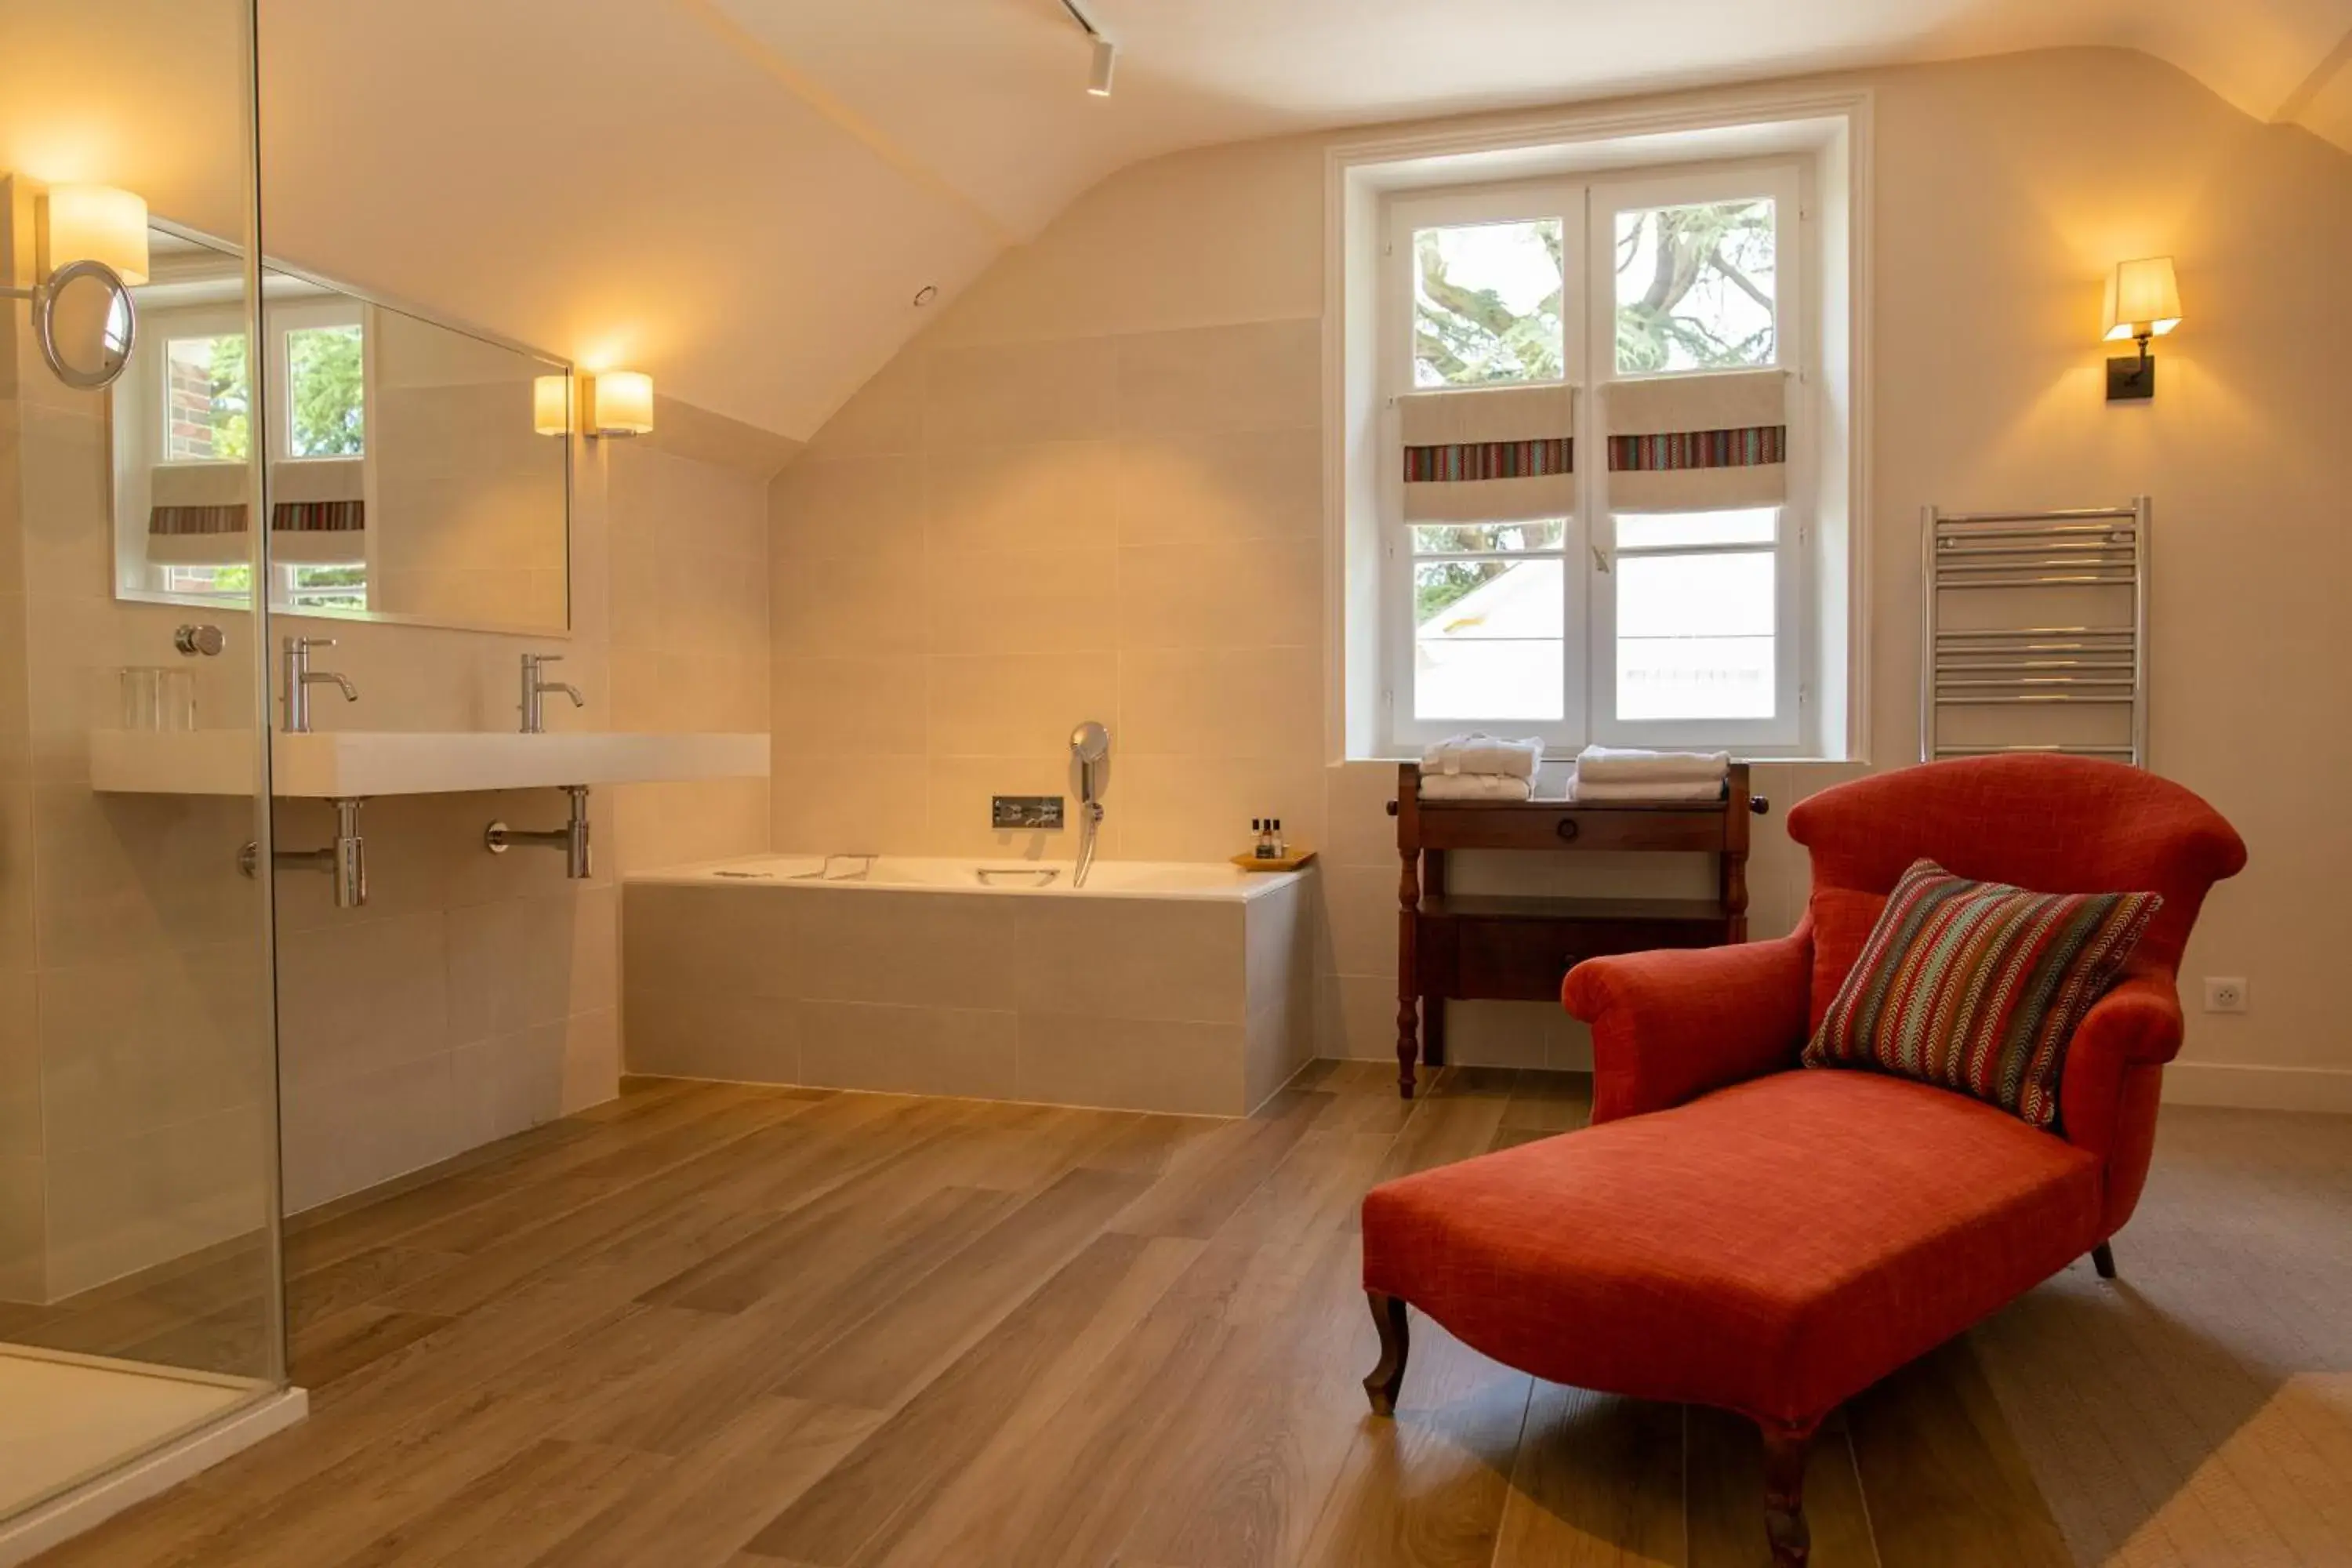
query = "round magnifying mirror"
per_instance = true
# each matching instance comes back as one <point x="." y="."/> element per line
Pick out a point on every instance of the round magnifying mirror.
<point x="86" y="324"/>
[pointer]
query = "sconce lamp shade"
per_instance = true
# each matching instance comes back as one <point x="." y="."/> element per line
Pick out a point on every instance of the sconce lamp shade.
<point x="2143" y="300"/>
<point x="550" y="404"/>
<point x="622" y="403"/>
<point x="99" y="223"/>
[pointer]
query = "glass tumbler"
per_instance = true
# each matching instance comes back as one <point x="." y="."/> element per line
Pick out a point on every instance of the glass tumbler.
<point x="141" y="687"/>
<point x="176" y="700"/>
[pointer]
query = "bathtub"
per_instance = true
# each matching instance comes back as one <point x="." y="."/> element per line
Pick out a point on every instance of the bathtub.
<point x="1107" y="879"/>
<point x="1164" y="986"/>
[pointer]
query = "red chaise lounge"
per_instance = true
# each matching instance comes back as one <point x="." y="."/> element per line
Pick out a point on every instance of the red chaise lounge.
<point x="1733" y="1230"/>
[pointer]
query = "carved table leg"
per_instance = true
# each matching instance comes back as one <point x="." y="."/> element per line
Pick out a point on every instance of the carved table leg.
<point x="1784" y="1495"/>
<point x="1408" y="977"/>
<point x="1386" y="1379"/>
<point x="2103" y="1258"/>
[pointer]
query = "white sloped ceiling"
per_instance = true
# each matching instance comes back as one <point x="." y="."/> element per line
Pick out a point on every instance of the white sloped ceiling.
<point x="743" y="196"/>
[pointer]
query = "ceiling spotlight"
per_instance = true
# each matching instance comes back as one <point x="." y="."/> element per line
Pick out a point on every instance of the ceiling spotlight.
<point x="926" y="294"/>
<point x="1106" y="53"/>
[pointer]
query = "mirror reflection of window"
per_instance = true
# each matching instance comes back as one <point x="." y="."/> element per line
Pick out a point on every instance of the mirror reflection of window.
<point x="205" y="404"/>
<point x="407" y="477"/>
<point x="326" y="404"/>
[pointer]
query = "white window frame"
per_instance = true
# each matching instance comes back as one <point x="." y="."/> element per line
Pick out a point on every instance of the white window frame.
<point x="1561" y="199"/>
<point x="1587" y="206"/>
<point x="291" y="589"/>
<point x="1793" y="642"/>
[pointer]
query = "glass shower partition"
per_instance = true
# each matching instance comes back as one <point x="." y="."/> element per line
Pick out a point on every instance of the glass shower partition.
<point x="141" y="1296"/>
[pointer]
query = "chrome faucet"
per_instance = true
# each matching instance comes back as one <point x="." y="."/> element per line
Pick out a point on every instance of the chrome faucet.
<point x="534" y="717"/>
<point x="300" y="677"/>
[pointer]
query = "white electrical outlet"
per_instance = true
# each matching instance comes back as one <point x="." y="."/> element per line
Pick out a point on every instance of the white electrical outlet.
<point x="2225" y="994"/>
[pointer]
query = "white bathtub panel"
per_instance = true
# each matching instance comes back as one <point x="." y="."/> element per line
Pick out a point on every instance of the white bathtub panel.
<point x="1281" y="938"/>
<point x="719" y="937"/>
<point x="906" y="949"/>
<point x="911" y="1051"/>
<point x="704" y="1032"/>
<point x="1127" y="1063"/>
<point x="1179" y="959"/>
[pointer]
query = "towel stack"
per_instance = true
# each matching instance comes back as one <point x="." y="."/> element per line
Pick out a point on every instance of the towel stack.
<point x="1480" y="767"/>
<point x="1607" y="774"/>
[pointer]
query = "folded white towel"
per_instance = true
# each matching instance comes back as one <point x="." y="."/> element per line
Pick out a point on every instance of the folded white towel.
<point x="1613" y="765"/>
<point x="1606" y="791"/>
<point x="1482" y="753"/>
<point x="1474" y="786"/>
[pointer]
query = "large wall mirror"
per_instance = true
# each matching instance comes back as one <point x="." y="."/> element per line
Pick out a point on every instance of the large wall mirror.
<point x="408" y="480"/>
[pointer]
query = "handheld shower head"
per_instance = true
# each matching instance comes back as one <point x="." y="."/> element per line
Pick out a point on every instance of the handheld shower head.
<point x="1089" y="744"/>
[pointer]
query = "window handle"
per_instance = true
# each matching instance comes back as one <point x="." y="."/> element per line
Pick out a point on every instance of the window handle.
<point x="1600" y="561"/>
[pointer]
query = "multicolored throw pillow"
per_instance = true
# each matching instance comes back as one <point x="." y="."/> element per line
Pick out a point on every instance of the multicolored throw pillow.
<point x="1977" y="986"/>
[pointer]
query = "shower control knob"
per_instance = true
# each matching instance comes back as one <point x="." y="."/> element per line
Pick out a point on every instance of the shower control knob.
<point x="207" y="640"/>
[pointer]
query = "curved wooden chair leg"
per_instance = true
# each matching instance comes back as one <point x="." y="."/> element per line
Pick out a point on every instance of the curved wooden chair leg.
<point x="1784" y="1495"/>
<point x="1386" y="1379"/>
<point x="2103" y="1258"/>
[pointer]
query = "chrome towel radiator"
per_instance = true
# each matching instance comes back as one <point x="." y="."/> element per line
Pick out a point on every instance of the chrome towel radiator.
<point x="2034" y="632"/>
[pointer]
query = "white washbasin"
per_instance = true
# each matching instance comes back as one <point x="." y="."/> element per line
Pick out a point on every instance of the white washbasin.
<point x="331" y="763"/>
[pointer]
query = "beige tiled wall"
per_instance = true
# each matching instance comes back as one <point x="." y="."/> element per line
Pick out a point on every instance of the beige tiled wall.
<point x="993" y="542"/>
<point x="996" y="540"/>
<point x="689" y="629"/>
<point x="134" y="1072"/>
<point x="1012" y="528"/>
<point x="476" y="996"/>
<point x="473" y="995"/>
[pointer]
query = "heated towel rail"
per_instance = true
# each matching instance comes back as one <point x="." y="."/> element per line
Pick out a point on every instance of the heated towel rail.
<point x="2034" y="610"/>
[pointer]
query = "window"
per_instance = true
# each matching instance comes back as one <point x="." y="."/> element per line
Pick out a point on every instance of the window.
<point x="1486" y="302"/>
<point x="1594" y="460"/>
<point x="298" y="587"/>
<point x="319" y="378"/>
<point x="326" y="405"/>
<point x="1694" y="287"/>
<point x="207" y="408"/>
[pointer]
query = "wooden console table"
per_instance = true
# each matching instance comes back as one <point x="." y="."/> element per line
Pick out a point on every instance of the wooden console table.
<point x="1520" y="949"/>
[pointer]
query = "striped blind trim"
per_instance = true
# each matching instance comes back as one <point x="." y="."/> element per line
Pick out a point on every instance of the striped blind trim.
<point x="1465" y="461"/>
<point x="318" y="517"/>
<point x="1757" y="446"/>
<point x="187" y="522"/>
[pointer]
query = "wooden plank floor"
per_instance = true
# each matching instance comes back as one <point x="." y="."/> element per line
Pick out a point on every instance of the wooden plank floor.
<point x="713" y="1326"/>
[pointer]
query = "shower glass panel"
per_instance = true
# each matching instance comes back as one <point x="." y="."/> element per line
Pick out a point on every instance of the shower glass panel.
<point x="139" y="1291"/>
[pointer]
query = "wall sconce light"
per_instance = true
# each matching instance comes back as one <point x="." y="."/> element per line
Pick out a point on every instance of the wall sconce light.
<point x="612" y="403"/>
<point x="96" y="223"/>
<point x="618" y="403"/>
<point x="550" y="404"/>
<point x="2142" y="302"/>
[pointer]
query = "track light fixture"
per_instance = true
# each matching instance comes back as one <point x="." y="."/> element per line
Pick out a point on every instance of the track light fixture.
<point x="1106" y="53"/>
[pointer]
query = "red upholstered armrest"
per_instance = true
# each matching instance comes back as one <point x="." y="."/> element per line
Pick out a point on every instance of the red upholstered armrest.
<point x="1670" y="1026"/>
<point x="2137" y="1023"/>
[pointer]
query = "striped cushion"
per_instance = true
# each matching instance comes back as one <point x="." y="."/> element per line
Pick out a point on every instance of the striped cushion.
<point x="1977" y="986"/>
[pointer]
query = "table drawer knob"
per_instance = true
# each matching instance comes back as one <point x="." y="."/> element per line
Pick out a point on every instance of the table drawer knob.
<point x="1567" y="828"/>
